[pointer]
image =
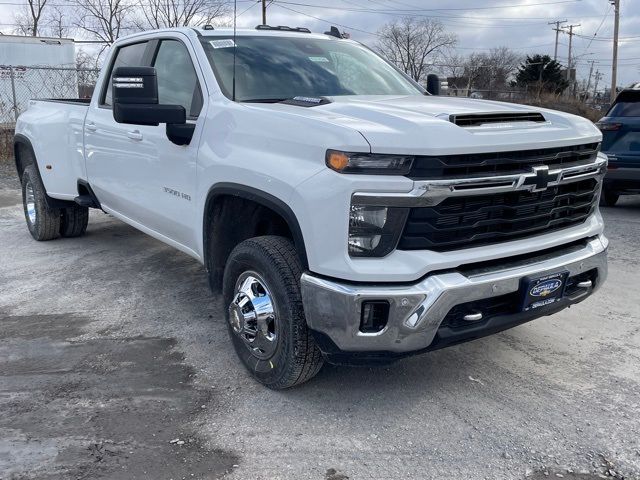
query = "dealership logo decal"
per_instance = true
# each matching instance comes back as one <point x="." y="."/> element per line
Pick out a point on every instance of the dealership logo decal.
<point x="546" y="288"/>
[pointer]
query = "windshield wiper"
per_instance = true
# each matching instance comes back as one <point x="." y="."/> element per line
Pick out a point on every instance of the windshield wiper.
<point x="299" y="101"/>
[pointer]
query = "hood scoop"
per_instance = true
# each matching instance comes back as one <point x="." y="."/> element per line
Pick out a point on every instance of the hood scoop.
<point x="478" y="119"/>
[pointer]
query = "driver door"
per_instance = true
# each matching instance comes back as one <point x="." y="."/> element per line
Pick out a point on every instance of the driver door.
<point x="136" y="171"/>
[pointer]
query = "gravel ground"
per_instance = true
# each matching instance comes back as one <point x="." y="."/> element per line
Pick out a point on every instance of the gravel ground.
<point x="112" y="347"/>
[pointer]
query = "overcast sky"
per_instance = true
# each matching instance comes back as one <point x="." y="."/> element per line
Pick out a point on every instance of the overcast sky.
<point x="480" y="25"/>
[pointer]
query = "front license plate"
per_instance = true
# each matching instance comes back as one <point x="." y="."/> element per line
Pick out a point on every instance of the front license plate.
<point x="541" y="292"/>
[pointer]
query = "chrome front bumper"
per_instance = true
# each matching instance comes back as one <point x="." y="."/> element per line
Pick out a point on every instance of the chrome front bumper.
<point x="333" y="308"/>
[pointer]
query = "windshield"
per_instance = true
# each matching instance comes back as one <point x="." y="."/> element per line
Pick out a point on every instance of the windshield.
<point x="277" y="68"/>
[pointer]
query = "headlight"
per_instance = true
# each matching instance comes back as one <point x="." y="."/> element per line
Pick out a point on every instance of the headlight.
<point x="369" y="164"/>
<point x="374" y="231"/>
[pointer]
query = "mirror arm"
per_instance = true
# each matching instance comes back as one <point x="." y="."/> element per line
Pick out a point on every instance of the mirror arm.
<point x="180" y="133"/>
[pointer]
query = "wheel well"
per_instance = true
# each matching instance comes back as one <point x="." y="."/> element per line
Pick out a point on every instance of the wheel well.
<point x="23" y="155"/>
<point x="230" y="219"/>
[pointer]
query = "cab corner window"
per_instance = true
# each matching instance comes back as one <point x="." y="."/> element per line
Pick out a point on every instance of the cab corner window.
<point x="177" y="79"/>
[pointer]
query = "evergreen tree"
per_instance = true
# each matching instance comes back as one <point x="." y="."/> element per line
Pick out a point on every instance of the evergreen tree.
<point x="542" y="73"/>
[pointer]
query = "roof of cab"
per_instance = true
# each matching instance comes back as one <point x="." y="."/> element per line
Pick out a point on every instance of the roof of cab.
<point x="203" y="32"/>
<point x="225" y="32"/>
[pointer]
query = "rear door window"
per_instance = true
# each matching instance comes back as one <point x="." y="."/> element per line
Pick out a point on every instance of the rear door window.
<point x="126" y="56"/>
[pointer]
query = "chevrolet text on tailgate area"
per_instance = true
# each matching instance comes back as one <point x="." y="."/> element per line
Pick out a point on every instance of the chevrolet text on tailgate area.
<point x="346" y="214"/>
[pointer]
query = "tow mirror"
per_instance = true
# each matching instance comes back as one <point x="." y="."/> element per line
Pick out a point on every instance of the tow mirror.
<point x="135" y="99"/>
<point x="433" y="84"/>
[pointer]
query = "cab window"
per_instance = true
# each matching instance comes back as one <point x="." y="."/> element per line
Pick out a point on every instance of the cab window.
<point x="126" y="56"/>
<point x="177" y="80"/>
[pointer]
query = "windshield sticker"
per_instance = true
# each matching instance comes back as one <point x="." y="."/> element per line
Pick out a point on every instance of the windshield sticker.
<point x="319" y="59"/>
<point x="224" y="43"/>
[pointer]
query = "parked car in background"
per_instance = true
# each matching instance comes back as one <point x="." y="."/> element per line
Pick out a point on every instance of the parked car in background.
<point x="621" y="142"/>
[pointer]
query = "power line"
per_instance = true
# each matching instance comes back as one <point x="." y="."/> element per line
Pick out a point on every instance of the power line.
<point x="330" y="22"/>
<point x="495" y="7"/>
<point x="599" y="27"/>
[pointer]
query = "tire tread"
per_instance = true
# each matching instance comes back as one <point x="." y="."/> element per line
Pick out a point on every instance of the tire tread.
<point x="47" y="226"/>
<point x="74" y="221"/>
<point x="281" y="254"/>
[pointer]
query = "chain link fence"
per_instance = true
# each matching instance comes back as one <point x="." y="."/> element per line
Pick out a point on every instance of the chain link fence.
<point x="19" y="84"/>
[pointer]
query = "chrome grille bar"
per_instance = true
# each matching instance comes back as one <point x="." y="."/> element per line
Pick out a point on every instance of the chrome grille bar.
<point x="427" y="193"/>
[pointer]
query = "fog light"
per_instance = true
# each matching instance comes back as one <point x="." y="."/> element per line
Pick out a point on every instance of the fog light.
<point x="374" y="316"/>
<point x="373" y="230"/>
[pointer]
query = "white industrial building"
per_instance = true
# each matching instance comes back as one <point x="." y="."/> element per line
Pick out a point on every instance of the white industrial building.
<point x="34" y="67"/>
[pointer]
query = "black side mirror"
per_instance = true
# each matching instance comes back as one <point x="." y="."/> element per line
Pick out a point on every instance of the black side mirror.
<point x="135" y="99"/>
<point x="433" y="84"/>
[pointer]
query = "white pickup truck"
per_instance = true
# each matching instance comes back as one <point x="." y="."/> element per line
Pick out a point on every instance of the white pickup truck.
<point x="345" y="213"/>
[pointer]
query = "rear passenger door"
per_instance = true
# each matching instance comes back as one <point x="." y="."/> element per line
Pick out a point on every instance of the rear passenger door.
<point x="151" y="181"/>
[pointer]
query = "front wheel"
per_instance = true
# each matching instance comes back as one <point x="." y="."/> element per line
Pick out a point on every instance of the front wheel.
<point x="261" y="288"/>
<point x="609" y="198"/>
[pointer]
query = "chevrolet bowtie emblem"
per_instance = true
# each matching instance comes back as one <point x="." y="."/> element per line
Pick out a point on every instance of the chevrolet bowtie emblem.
<point x="539" y="179"/>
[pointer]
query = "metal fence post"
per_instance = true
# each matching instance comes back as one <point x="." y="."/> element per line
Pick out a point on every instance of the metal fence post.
<point x="13" y="93"/>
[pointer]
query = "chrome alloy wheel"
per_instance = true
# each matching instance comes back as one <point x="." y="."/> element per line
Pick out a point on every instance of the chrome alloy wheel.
<point x="253" y="316"/>
<point x="30" y="202"/>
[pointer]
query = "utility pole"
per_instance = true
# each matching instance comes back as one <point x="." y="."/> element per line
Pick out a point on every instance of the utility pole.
<point x="571" y="34"/>
<point x="614" y="64"/>
<point x="598" y="78"/>
<point x="264" y="12"/>
<point x="557" y="23"/>
<point x="592" y="62"/>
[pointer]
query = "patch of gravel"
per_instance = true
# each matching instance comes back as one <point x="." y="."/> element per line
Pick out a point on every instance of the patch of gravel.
<point x="8" y="175"/>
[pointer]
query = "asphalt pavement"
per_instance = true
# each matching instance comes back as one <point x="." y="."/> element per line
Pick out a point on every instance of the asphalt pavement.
<point x="115" y="363"/>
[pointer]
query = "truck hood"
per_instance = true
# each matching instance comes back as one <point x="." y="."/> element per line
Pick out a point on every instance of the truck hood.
<point x="420" y="125"/>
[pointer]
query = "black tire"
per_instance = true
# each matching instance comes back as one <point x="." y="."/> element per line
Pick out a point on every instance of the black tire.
<point x="74" y="221"/>
<point x="295" y="357"/>
<point x="609" y="198"/>
<point x="43" y="222"/>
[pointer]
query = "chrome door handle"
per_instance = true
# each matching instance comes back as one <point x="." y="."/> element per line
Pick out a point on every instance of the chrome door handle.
<point x="91" y="127"/>
<point x="134" y="135"/>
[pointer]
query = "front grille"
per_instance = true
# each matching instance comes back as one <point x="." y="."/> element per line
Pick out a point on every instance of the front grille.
<point x="471" y="221"/>
<point x="502" y="163"/>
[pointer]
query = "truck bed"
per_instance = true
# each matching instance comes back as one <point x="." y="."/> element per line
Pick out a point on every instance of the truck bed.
<point x="56" y="129"/>
<point x="69" y="101"/>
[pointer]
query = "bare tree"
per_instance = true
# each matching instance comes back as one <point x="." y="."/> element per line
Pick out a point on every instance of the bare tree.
<point x="28" y="21"/>
<point x="56" y="25"/>
<point x="491" y="70"/>
<point x="414" y="45"/>
<point x="105" y="20"/>
<point x="180" y="13"/>
<point x="453" y="68"/>
<point x="453" y="65"/>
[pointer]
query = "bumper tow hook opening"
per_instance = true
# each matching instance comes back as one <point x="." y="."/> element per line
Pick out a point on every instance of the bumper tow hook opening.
<point x="374" y="317"/>
<point x="473" y="317"/>
<point x="585" y="284"/>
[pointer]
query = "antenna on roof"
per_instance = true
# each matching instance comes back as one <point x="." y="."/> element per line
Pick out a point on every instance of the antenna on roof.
<point x="235" y="47"/>
<point x="334" y="32"/>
